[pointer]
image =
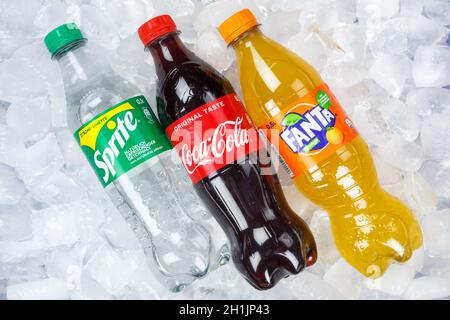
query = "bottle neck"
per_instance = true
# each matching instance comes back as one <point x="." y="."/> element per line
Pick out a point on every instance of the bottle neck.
<point x="77" y="63"/>
<point x="168" y="52"/>
<point x="240" y="43"/>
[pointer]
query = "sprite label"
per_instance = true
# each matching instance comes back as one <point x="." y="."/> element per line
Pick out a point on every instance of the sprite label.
<point x="121" y="138"/>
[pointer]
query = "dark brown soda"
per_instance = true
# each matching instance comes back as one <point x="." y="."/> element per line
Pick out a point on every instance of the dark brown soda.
<point x="268" y="240"/>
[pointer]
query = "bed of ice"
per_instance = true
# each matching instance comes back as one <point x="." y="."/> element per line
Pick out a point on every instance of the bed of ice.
<point x="388" y="62"/>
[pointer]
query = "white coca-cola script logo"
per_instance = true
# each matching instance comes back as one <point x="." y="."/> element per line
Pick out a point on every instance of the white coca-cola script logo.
<point x="226" y="138"/>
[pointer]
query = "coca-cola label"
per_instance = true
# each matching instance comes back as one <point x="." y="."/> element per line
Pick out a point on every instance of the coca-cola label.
<point x="213" y="136"/>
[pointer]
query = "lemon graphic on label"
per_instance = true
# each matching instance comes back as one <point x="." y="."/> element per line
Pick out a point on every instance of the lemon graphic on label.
<point x="334" y="135"/>
<point x="111" y="125"/>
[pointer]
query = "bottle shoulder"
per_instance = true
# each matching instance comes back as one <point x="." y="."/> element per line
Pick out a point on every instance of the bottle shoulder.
<point x="262" y="59"/>
<point x="91" y="98"/>
<point x="190" y="85"/>
<point x="272" y="77"/>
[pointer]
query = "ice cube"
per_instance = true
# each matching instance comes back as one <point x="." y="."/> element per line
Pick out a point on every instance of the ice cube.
<point x="373" y="294"/>
<point x="97" y="27"/>
<point x="428" y="288"/>
<point x="214" y="50"/>
<point x="17" y="17"/>
<point x="54" y="226"/>
<point x="221" y="284"/>
<point x="344" y="74"/>
<point x="280" y="292"/>
<point x="436" y="230"/>
<point x="417" y="260"/>
<point x="55" y="14"/>
<point x="143" y="281"/>
<point x="394" y="281"/>
<point x="41" y="159"/>
<point x="17" y="80"/>
<point x="342" y="277"/>
<point x="15" y="223"/>
<point x="36" y="58"/>
<point x="400" y="120"/>
<point x="434" y="137"/>
<point x="308" y="286"/>
<point x="423" y="31"/>
<point x="425" y="101"/>
<point x="175" y="8"/>
<point x="346" y="11"/>
<point x="371" y="124"/>
<point x="321" y="15"/>
<point x="436" y="267"/>
<point x="391" y="73"/>
<point x="321" y="228"/>
<point x="90" y="290"/>
<point x="58" y="188"/>
<point x="310" y="47"/>
<point x="109" y="269"/>
<point x="419" y="193"/>
<point x="430" y="66"/>
<point x="280" y="25"/>
<point x="438" y="10"/>
<point x="3" y="110"/>
<point x="127" y="15"/>
<point x="66" y="263"/>
<point x="30" y="118"/>
<point x="438" y="175"/>
<point x="351" y="40"/>
<point x="287" y="5"/>
<point x="375" y="9"/>
<point x="411" y="7"/>
<point x="188" y="33"/>
<point x="2" y="289"/>
<point x="134" y="64"/>
<point x="89" y="216"/>
<point x="58" y="104"/>
<point x="85" y="177"/>
<point x="387" y="174"/>
<point x="46" y="289"/>
<point x="401" y="154"/>
<point x="73" y="156"/>
<point x="24" y="268"/>
<point x="12" y="189"/>
<point x="388" y="37"/>
<point x="215" y="13"/>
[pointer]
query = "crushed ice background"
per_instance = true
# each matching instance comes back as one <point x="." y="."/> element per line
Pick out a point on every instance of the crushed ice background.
<point x="387" y="61"/>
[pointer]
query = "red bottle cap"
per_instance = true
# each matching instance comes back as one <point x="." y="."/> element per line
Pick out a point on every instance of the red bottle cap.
<point x="155" y="28"/>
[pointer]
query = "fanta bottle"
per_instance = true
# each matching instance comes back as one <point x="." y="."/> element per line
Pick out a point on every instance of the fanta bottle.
<point x="329" y="162"/>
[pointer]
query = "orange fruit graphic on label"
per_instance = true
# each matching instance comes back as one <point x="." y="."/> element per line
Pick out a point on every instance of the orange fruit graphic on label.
<point x="334" y="135"/>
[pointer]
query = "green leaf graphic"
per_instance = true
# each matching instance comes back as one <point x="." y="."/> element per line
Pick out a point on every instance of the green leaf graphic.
<point x="291" y="119"/>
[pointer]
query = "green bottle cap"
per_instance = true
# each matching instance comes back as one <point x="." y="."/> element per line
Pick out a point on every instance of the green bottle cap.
<point x="62" y="36"/>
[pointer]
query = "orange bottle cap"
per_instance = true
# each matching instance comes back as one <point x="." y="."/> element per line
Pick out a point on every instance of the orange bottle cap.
<point x="237" y="24"/>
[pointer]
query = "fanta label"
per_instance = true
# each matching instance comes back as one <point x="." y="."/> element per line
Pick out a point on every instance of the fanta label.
<point x="213" y="136"/>
<point x="309" y="130"/>
<point x="121" y="138"/>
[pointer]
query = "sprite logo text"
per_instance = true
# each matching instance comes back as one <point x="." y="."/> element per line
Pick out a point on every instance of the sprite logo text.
<point x="121" y="138"/>
<point x="105" y="160"/>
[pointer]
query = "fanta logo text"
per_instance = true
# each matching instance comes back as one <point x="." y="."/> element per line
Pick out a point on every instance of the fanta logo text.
<point x="105" y="159"/>
<point x="307" y="131"/>
<point x="227" y="137"/>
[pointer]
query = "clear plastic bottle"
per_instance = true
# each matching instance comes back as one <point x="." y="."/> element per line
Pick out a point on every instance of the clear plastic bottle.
<point x="122" y="139"/>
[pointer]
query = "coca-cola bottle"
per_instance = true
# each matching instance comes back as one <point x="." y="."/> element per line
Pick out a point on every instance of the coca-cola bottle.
<point x="218" y="145"/>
